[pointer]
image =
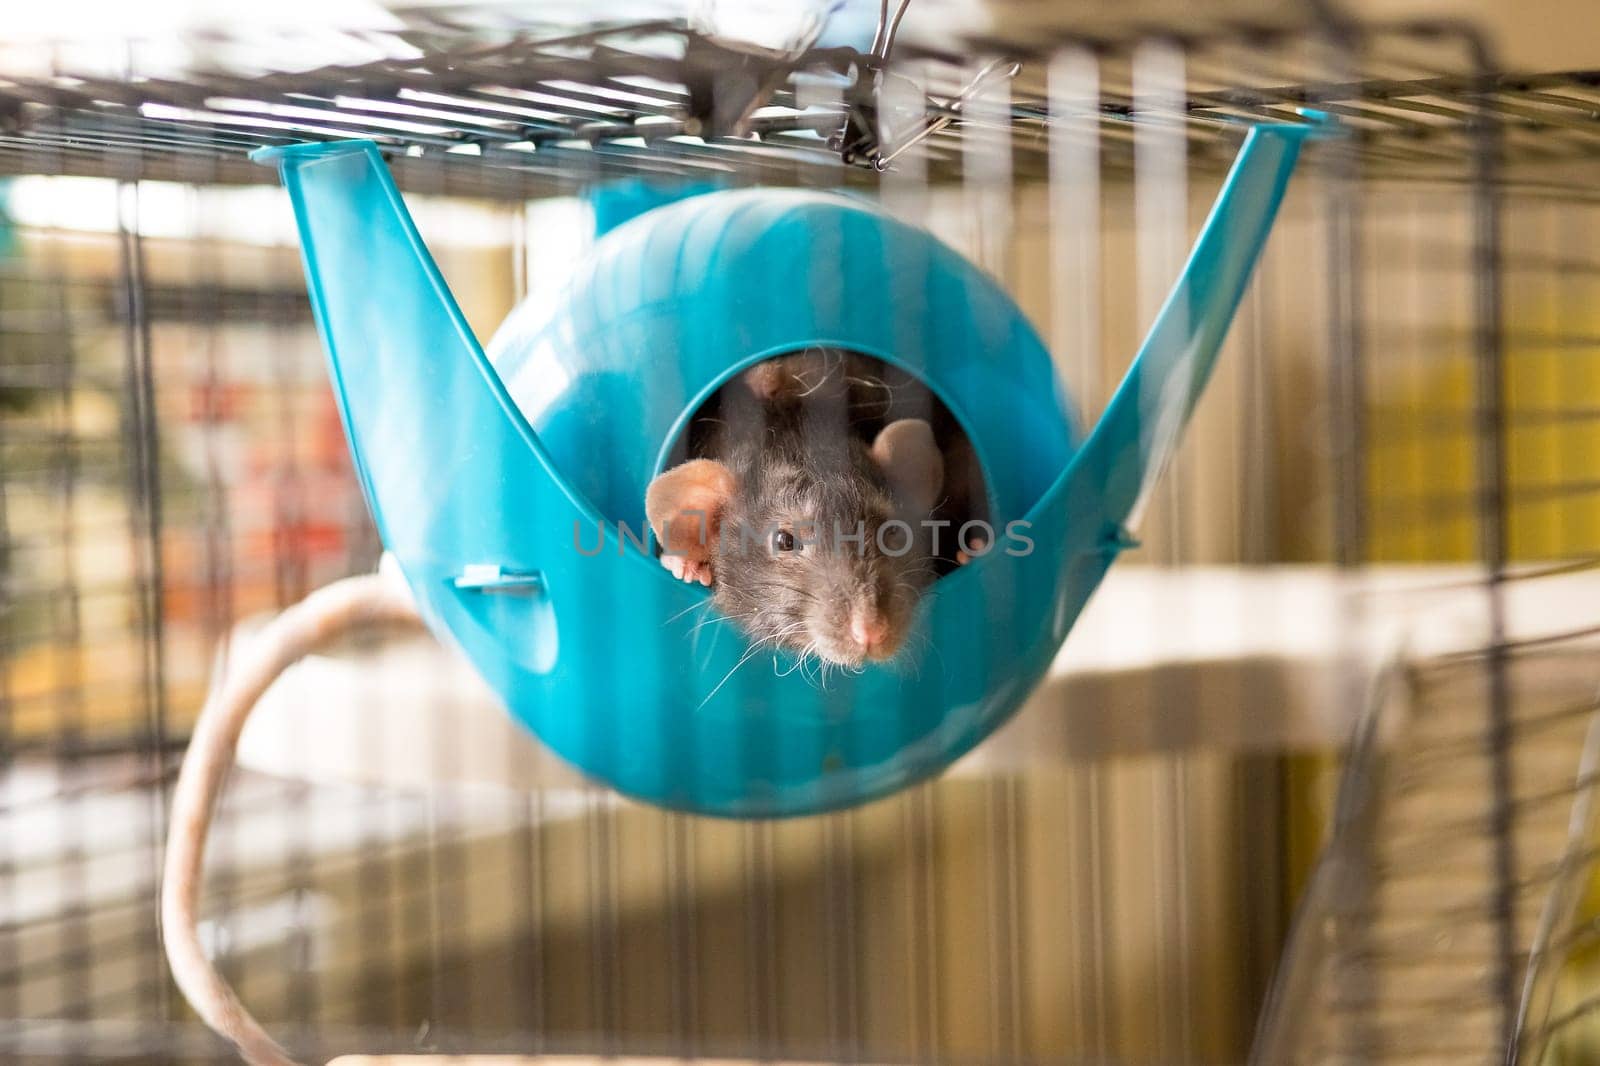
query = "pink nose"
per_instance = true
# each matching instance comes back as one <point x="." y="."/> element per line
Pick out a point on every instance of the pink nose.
<point x="868" y="629"/>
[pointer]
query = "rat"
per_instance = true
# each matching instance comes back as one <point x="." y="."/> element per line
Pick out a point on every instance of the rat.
<point x="819" y="435"/>
<point x="806" y="503"/>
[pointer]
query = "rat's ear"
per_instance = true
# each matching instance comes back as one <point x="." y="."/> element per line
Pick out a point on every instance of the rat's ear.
<point x="769" y="379"/>
<point x="813" y="374"/>
<point x="685" y="506"/>
<point x="910" y="460"/>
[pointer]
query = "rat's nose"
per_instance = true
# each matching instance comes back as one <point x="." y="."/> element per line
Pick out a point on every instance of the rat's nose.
<point x="868" y="630"/>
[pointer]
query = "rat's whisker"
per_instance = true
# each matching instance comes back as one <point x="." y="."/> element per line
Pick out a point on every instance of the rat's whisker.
<point x="809" y="389"/>
<point x="783" y="634"/>
<point x="749" y="654"/>
<point x="707" y="620"/>
<point x="686" y="610"/>
<point x="816" y="662"/>
<point x="871" y="383"/>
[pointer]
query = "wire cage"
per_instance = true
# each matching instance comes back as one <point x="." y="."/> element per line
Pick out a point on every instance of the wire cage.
<point x="1363" y="598"/>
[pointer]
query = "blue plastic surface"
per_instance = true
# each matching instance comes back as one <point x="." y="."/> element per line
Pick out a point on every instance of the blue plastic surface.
<point x="503" y="513"/>
<point x="616" y="202"/>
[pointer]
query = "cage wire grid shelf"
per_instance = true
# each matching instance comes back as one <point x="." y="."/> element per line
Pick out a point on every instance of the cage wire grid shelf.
<point x="1406" y="384"/>
<point x="529" y="115"/>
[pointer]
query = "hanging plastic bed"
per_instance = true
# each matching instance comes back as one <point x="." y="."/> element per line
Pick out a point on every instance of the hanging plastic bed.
<point x="495" y="508"/>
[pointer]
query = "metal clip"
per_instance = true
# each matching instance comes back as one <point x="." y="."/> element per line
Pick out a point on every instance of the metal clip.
<point x="862" y="141"/>
<point x="491" y="577"/>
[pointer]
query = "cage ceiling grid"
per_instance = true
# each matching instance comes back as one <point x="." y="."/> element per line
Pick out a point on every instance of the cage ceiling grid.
<point x="1421" y="402"/>
<point x="527" y="114"/>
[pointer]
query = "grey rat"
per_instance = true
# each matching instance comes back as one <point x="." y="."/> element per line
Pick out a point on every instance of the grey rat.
<point x="812" y="532"/>
<point x="808" y="429"/>
<point x="874" y="394"/>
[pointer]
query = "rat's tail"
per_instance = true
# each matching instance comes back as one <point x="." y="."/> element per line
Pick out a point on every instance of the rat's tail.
<point x="320" y="618"/>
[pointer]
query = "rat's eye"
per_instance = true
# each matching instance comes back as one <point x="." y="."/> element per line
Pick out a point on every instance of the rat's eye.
<point x="784" y="541"/>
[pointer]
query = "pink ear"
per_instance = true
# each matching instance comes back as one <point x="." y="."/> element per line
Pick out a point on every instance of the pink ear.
<point x="685" y="507"/>
<point x="909" y="457"/>
<point x="809" y="374"/>
<point x="768" y="379"/>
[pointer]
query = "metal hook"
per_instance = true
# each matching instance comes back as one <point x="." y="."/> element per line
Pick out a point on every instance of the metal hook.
<point x="952" y="107"/>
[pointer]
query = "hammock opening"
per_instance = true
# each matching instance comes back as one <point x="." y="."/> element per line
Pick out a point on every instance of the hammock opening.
<point x="879" y="391"/>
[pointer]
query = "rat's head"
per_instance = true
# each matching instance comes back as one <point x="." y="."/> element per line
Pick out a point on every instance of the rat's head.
<point x="814" y="541"/>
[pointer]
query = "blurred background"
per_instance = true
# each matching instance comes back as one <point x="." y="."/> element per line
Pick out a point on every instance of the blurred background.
<point x="1309" y="783"/>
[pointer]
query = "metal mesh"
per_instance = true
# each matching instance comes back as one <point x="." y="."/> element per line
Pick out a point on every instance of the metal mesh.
<point x="1403" y="404"/>
<point x="526" y="114"/>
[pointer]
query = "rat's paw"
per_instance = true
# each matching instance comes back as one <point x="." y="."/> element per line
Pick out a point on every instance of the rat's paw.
<point x="686" y="569"/>
<point x="979" y="546"/>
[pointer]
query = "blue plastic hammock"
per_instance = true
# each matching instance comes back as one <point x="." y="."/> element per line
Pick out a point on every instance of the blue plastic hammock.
<point x="504" y="515"/>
